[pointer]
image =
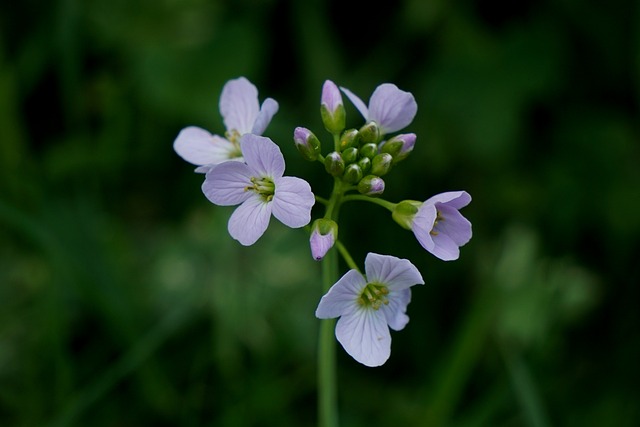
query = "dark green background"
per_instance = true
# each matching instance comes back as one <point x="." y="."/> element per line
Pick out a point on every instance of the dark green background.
<point x="124" y="302"/>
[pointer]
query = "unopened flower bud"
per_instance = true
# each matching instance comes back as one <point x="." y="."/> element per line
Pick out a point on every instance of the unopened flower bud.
<point x="307" y="143"/>
<point x="381" y="164"/>
<point x="371" y="185"/>
<point x="331" y="108"/>
<point x="324" y="234"/>
<point x="349" y="138"/>
<point x="370" y="133"/>
<point x="352" y="173"/>
<point x="369" y="150"/>
<point x="334" y="164"/>
<point x="365" y="164"/>
<point x="400" y="146"/>
<point x="350" y="155"/>
<point x="405" y="211"/>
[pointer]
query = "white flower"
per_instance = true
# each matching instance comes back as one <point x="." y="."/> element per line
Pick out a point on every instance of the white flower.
<point x="242" y="114"/>
<point x="369" y="305"/>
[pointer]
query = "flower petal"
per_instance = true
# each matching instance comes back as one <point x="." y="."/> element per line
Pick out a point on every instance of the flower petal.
<point x="422" y="225"/>
<point x="292" y="201"/>
<point x="453" y="224"/>
<point x="393" y="272"/>
<point x="199" y="147"/>
<point x="239" y="105"/>
<point x="250" y="220"/>
<point x="357" y="102"/>
<point x="393" y="109"/>
<point x="342" y="296"/>
<point x="445" y="248"/>
<point x="225" y="184"/>
<point x="262" y="155"/>
<point x="394" y="312"/>
<point x="320" y="244"/>
<point x="267" y="111"/>
<point x="456" y="199"/>
<point x="364" y="334"/>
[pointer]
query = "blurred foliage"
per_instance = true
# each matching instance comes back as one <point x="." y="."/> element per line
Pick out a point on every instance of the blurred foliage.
<point x="124" y="302"/>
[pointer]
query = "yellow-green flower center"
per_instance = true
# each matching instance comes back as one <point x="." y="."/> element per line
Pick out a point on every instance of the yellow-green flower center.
<point x="374" y="295"/>
<point x="262" y="186"/>
<point x="439" y="218"/>
<point x="233" y="136"/>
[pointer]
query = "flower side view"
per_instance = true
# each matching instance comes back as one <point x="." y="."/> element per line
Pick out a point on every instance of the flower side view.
<point x="390" y="108"/>
<point x="241" y="113"/>
<point x="369" y="305"/>
<point x="260" y="189"/>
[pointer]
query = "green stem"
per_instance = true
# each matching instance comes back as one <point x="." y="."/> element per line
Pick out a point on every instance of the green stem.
<point x="327" y="383"/>
<point x="381" y="202"/>
<point x="346" y="255"/>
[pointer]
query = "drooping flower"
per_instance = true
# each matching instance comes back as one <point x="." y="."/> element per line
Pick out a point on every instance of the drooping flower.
<point x="260" y="189"/>
<point x="390" y="108"/>
<point x="241" y="113"/>
<point x="324" y="234"/>
<point x="440" y="227"/>
<point x="369" y="305"/>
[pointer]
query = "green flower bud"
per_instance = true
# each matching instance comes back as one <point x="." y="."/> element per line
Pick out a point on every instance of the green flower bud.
<point x="349" y="138"/>
<point x="352" y="174"/>
<point x="400" y="146"/>
<point x="370" y="133"/>
<point x="307" y="143"/>
<point x="371" y="185"/>
<point x="381" y="164"/>
<point x="365" y="164"/>
<point x="405" y="211"/>
<point x="334" y="164"/>
<point x="350" y="155"/>
<point x="369" y="150"/>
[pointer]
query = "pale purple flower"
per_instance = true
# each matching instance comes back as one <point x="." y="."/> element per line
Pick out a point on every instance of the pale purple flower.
<point x="324" y="234"/>
<point x="390" y="108"/>
<point x="369" y="305"/>
<point x="439" y="226"/>
<point x="331" y="97"/>
<point x="260" y="189"/>
<point x="241" y="113"/>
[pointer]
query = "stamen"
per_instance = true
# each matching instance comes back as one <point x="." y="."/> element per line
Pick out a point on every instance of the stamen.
<point x="374" y="295"/>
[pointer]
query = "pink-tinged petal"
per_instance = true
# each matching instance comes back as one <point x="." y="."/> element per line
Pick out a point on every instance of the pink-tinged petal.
<point x="292" y="201"/>
<point x="342" y="296"/>
<point x="364" y="334"/>
<point x="267" y="111"/>
<point x="453" y="224"/>
<point x="226" y="183"/>
<point x="199" y="147"/>
<point x="262" y="155"/>
<point x="395" y="273"/>
<point x="394" y="312"/>
<point x="456" y="199"/>
<point x="250" y="220"/>
<point x="393" y="109"/>
<point x="239" y="105"/>
<point x="331" y="97"/>
<point x="445" y="248"/>
<point x="320" y="244"/>
<point x="357" y="102"/>
<point x="423" y="224"/>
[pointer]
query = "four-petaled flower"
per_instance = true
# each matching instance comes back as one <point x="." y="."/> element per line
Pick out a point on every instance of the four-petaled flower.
<point x="260" y="189"/>
<point x="369" y="305"/>
<point x="242" y="114"/>
<point x="390" y="108"/>
<point x="440" y="228"/>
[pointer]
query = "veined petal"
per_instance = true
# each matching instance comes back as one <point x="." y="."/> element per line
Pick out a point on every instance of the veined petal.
<point x="267" y="111"/>
<point x="393" y="109"/>
<point x="357" y="102"/>
<point x="395" y="311"/>
<point x="239" y="105"/>
<point x="453" y="224"/>
<point x="395" y="273"/>
<point x="199" y="147"/>
<point x="262" y="155"/>
<point x="445" y="248"/>
<point x="456" y="199"/>
<point x="364" y="334"/>
<point x="226" y="183"/>
<point x="342" y="296"/>
<point x="250" y="220"/>
<point x="423" y="224"/>
<point x="292" y="201"/>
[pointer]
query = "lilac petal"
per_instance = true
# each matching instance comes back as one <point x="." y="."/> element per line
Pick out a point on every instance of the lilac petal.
<point x="453" y="224"/>
<point x="250" y="220"/>
<point x="456" y="199"/>
<point x="292" y="201"/>
<point x="393" y="109"/>
<point x="357" y="102"/>
<point x="395" y="273"/>
<point x="267" y="111"/>
<point x="394" y="312"/>
<point x="342" y="297"/>
<point x="226" y="183"/>
<point x="364" y="334"/>
<point x="331" y="96"/>
<point x="262" y="155"/>
<point x="445" y="248"/>
<point x="239" y="105"/>
<point x="423" y="224"/>
<point x="320" y="244"/>
<point x="198" y="146"/>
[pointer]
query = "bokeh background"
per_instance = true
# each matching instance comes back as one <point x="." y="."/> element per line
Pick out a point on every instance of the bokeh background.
<point x="124" y="302"/>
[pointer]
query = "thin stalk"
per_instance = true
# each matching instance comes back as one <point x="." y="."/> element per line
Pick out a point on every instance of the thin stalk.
<point x="327" y="383"/>
<point x="381" y="202"/>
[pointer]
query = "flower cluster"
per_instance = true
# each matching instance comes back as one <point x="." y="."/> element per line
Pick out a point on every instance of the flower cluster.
<point x="247" y="169"/>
